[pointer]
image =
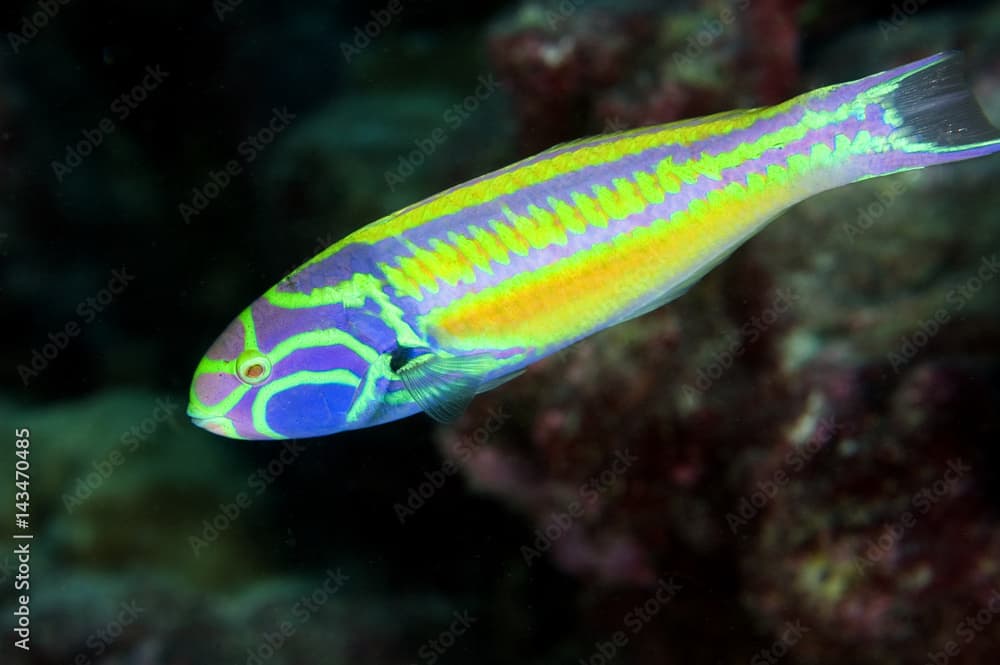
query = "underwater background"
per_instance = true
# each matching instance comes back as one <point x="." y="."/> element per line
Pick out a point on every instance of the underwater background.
<point x="796" y="462"/>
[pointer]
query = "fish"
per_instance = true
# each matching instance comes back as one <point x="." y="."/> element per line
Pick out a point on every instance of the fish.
<point x="451" y="296"/>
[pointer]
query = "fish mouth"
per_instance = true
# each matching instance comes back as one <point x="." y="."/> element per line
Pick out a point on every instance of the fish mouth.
<point x="215" y="424"/>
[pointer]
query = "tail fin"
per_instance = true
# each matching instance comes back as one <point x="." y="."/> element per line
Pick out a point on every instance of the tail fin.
<point x="930" y="114"/>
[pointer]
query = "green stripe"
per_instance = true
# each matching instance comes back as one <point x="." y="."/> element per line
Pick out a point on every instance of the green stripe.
<point x="303" y="378"/>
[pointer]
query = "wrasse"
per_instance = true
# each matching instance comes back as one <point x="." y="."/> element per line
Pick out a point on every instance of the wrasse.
<point x="449" y="297"/>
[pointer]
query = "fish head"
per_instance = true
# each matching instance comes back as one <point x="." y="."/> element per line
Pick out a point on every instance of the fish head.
<point x="281" y="372"/>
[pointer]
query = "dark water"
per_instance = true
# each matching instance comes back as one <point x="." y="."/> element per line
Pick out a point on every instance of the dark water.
<point x="794" y="463"/>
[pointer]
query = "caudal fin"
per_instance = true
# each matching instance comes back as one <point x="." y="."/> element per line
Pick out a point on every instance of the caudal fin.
<point x="930" y="114"/>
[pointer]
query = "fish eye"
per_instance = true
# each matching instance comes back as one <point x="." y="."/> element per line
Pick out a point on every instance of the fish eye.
<point x="253" y="367"/>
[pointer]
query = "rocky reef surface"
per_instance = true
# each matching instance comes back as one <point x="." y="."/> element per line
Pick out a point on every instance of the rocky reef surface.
<point x="806" y="433"/>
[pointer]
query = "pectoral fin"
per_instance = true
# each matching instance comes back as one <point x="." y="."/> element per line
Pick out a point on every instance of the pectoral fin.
<point x="444" y="386"/>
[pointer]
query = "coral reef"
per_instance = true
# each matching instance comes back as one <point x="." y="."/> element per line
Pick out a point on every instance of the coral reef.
<point x="809" y="433"/>
<point x="128" y="459"/>
<point x="853" y="496"/>
<point x="573" y="68"/>
<point x="151" y="618"/>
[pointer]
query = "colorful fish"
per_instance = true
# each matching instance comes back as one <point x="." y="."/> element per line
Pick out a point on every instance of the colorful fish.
<point x="449" y="297"/>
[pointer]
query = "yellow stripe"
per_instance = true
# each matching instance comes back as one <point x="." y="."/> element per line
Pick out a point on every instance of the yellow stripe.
<point x="516" y="177"/>
<point x="582" y="292"/>
<point x="520" y="234"/>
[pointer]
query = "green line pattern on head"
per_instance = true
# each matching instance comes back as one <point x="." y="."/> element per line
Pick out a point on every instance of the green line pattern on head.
<point x="303" y="378"/>
<point x="368" y="398"/>
<point x="308" y="340"/>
